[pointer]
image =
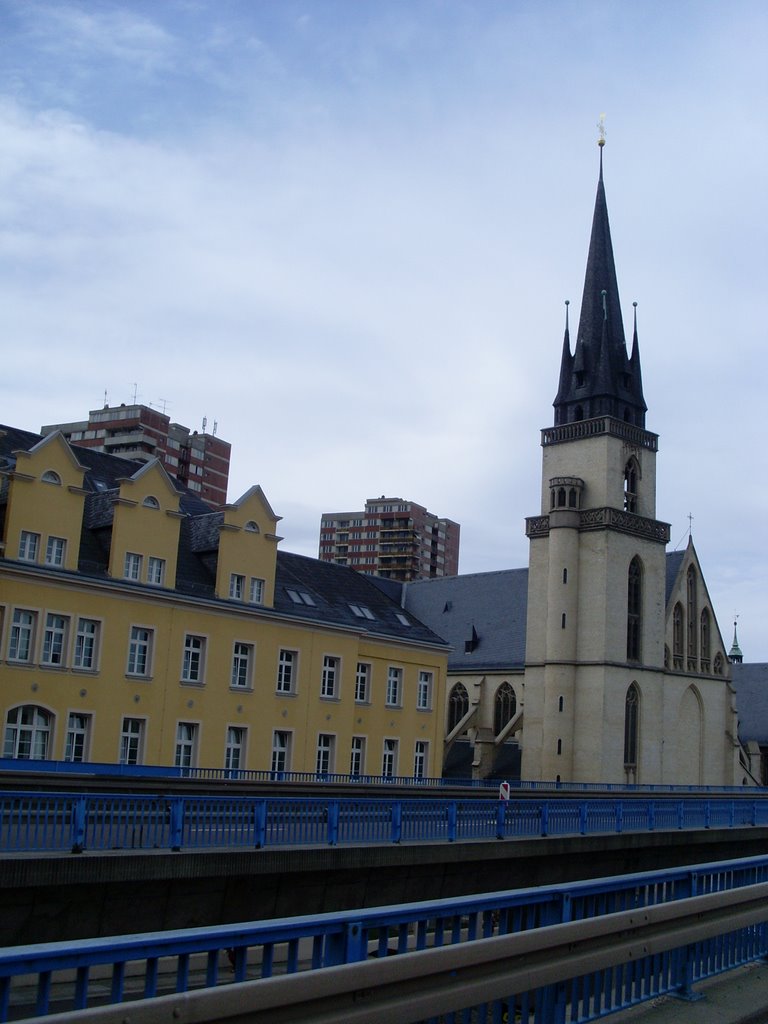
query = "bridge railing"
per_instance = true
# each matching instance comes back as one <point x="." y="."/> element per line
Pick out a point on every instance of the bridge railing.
<point x="645" y="952"/>
<point x="56" y="822"/>
<point x="148" y="771"/>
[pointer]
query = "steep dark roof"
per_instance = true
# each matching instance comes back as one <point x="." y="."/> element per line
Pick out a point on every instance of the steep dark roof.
<point x="485" y="611"/>
<point x="334" y="589"/>
<point x="599" y="378"/>
<point x="674" y="561"/>
<point x="751" y="684"/>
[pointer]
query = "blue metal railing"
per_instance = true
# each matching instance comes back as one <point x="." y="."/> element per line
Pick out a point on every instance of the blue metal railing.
<point x="198" y="958"/>
<point x="56" y="822"/>
<point x="147" y="771"/>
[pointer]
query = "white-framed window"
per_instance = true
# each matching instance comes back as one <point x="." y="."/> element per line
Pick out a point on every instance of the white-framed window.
<point x="156" y="571"/>
<point x="50" y="476"/>
<point x="78" y="737"/>
<point x="256" y="590"/>
<point x="193" y="663"/>
<point x="132" y="741"/>
<point x="132" y="566"/>
<point x="242" y="665"/>
<point x="424" y="691"/>
<point x="140" y="651"/>
<point x="29" y="545"/>
<point x="329" y="680"/>
<point x="54" y="639"/>
<point x="55" y="551"/>
<point x="236" y="586"/>
<point x="151" y="502"/>
<point x="363" y="683"/>
<point x="22" y="637"/>
<point x="420" y="759"/>
<point x="234" y="751"/>
<point x="27" y="733"/>
<point x="281" y="750"/>
<point x="394" y="686"/>
<point x="357" y="756"/>
<point x="186" y="745"/>
<point x="325" y="752"/>
<point x="389" y="758"/>
<point x="286" y="671"/>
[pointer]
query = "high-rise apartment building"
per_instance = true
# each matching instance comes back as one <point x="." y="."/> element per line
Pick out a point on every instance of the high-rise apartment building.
<point x="200" y="461"/>
<point x="393" y="538"/>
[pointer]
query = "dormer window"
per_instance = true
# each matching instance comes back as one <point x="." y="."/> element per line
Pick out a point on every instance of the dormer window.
<point x="361" y="611"/>
<point x="51" y="477"/>
<point x="252" y="527"/>
<point x="151" y="502"/>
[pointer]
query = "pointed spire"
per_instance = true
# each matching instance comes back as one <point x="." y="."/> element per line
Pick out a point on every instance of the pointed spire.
<point x="735" y="654"/>
<point x="599" y="379"/>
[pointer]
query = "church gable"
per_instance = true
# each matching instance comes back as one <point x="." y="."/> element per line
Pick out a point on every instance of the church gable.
<point x="693" y="642"/>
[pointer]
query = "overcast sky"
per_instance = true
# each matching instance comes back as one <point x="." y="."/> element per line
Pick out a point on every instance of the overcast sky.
<point x="344" y="231"/>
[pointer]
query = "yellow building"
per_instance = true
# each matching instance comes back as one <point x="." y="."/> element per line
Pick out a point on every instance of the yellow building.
<point x="138" y="626"/>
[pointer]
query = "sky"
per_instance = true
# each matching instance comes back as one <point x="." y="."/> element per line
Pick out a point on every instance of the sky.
<point x="344" y="232"/>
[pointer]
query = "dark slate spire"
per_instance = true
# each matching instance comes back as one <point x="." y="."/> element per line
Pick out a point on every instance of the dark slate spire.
<point x="599" y="379"/>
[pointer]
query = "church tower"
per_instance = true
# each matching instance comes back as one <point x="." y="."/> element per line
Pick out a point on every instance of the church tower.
<point x="596" y="597"/>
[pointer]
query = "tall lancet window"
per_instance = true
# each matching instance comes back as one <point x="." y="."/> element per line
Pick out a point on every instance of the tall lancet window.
<point x="634" y="609"/>
<point x="630" y="486"/>
<point x="677" y="636"/>
<point x="631" y="725"/>
<point x="704" y="640"/>
<point x="505" y="705"/>
<point x="458" y="705"/>
<point x="693" y="618"/>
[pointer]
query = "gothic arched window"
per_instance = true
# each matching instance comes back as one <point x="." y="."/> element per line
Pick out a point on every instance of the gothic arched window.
<point x="634" y="609"/>
<point x="505" y="705"/>
<point x="458" y="705"/>
<point x="631" y="724"/>
<point x="630" y="486"/>
<point x="677" y="636"/>
<point x="27" y="732"/>
<point x="693" y="618"/>
<point x="704" y="640"/>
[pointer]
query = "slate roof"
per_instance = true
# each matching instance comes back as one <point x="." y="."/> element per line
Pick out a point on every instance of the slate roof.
<point x="334" y="589"/>
<point x="674" y="561"/>
<point x="751" y="684"/>
<point x="494" y="604"/>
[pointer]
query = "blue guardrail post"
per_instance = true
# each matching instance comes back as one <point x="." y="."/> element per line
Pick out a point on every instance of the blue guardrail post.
<point x="397" y="821"/>
<point x="79" y="812"/>
<point x="177" y="822"/>
<point x="260" y="824"/>
<point x="453" y="817"/>
<point x="333" y="822"/>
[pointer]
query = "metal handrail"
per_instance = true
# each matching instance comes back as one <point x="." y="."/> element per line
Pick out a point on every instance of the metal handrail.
<point x="665" y="930"/>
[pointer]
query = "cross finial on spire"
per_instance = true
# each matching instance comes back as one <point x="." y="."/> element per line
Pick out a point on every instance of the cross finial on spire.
<point x="601" y="129"/>
<point x="690" y="524"/>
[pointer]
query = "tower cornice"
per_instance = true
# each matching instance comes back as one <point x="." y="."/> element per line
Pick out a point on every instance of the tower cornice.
<point x="600" y="425"/>
<point x="605" y="518"/>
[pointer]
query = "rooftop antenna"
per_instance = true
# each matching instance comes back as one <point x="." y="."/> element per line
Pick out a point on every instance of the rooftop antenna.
<point x="205" y="423"/>
<point x="135" y="387"/>
<point x="163" y="403"/>
<point x="215" y="427"/>
<point x="106" y="403"/>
